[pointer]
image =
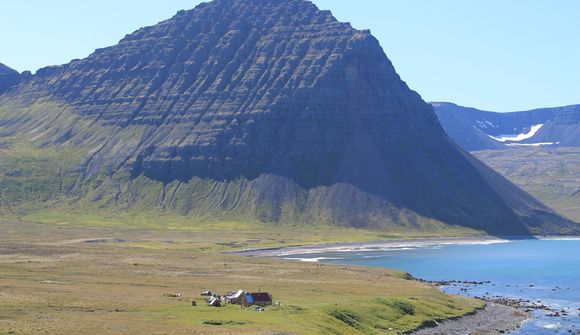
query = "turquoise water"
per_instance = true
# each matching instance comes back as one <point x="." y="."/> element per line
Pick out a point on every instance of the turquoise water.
<point x="545" y="271"/>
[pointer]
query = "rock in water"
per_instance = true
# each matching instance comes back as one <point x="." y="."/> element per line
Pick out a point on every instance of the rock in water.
<point x="270" y="110"/>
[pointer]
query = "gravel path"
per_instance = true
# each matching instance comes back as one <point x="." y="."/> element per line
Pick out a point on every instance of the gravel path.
<point x="494" y="319"/>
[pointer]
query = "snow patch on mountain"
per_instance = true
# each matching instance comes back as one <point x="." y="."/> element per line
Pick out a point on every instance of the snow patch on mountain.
<point x="519" y="137"/>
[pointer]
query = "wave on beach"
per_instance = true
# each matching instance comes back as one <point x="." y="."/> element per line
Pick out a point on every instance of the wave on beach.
<point x="364" y="247"/>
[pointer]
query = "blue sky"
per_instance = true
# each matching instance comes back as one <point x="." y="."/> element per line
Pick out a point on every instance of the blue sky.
<point x="491" y="54"/>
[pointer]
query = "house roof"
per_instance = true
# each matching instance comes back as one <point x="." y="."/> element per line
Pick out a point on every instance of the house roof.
<point x="261" y="296"/>
<point x="236" y="295"/>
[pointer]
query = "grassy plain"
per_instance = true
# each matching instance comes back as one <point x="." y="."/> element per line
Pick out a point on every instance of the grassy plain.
<point x="115" y="275"/>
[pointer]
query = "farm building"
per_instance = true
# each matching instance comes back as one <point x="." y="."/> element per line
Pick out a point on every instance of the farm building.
<point x="235" y="298"/>
<point x="214" y="301"/>
<point x="258" y="299"/>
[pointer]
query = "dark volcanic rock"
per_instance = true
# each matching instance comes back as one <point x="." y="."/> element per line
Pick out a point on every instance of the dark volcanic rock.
<point x="472" y="128"/>
<point x="274" y="110"/>
<point x="8" y="77"/>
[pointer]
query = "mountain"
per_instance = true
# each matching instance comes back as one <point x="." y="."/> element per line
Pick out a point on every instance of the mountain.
<point x="267" y="110"/>
<point x="474" y="129"/>
<point x="8" y="77"/>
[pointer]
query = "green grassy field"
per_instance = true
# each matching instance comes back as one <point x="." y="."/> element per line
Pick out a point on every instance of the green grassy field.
<point x="551" y="175"/>
<point x="69" y="277"/>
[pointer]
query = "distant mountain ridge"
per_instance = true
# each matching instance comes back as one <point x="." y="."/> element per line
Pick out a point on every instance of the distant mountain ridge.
<point x="267" y="110"/>
<point x="475" y="129"/>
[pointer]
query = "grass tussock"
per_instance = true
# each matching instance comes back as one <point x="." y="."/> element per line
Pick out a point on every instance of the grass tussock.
<point x="401" y="305"/>
<point x="222" y="323"/>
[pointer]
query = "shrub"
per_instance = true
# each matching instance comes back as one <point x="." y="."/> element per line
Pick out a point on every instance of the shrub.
<point x="400" y="305"/>
<point x="221" y="322"/>
<point x="346" y="317"/>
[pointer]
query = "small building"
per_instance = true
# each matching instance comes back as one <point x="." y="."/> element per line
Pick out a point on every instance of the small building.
<point x="257" y="299"/>
<point x="235" y="298"/>
<point x="214" y="301"/>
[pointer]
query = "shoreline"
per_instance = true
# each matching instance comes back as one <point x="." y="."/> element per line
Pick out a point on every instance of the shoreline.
<point x="494" y="318"/>
<point x="277" y="252"/>
<point x="399" y="244"/>
<point x="501" y="315"/>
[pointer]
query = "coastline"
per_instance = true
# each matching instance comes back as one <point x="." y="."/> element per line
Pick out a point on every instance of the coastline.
<point x="399" y="244"/>
<point x="501" y="315"/>
<point x="368" y="246"/>
<point x="494" y="318"/>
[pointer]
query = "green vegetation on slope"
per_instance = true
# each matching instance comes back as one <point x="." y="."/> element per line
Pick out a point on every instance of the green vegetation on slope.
<point x="46" y="183"/>
<point x="550" y="174"/>
<point x="30" y="176"/>
<point x="54" y="159"/>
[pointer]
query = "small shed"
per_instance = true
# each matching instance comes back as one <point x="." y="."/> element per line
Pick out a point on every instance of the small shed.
<point x="236" y="298"/>
<point x="258" y="299"/>
<point x="214" y="301"/>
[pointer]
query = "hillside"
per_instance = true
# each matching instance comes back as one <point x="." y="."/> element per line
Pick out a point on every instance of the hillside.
<point x="551" y="175"/>
<point x="8" y="77"/>
<point x="250" y="110"/>
<point x="475" y="129"/>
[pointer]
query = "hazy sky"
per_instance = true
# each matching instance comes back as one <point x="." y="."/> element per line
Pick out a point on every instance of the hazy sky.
<point x="492" y="54"/>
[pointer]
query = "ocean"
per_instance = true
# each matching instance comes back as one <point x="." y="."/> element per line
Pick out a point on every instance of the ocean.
<point x="545" y="272"/>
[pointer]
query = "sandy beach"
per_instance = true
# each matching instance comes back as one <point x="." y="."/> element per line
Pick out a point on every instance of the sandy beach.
<point x="366" y="246"/>
<point x="384" y="245"/>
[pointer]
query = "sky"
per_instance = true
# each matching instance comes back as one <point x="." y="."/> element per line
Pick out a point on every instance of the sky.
<point x="495" y="55"/>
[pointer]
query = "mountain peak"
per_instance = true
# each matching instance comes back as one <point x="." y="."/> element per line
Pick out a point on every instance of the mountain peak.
<point x="5" y="70"/>
<point x="241" y="14"/>
<point x="8" y="77"/>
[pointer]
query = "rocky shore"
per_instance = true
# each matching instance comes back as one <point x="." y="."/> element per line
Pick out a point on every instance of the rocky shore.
<point x="495" y="318"/>
<point x="500" y="314"/>
<point x="525" y="305"/>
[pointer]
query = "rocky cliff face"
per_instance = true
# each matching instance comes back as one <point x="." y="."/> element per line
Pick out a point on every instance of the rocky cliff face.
<point x="238" y="88"/>
<point x="475" y="129"/>
<point x="267" y="109"/>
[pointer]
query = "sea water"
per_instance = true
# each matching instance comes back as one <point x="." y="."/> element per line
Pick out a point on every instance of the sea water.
<point x="543" y="271"/>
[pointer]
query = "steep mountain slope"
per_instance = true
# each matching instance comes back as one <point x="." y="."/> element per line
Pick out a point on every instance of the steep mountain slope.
<point x="257" y="109"/>
<point x="8" y="77"/>
<point x="474" y="129"/>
